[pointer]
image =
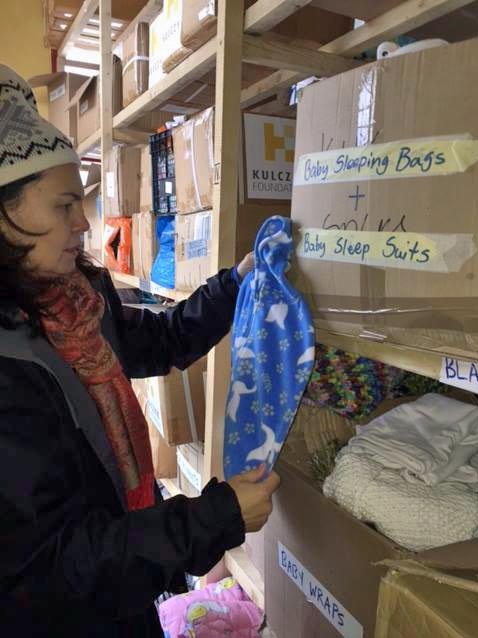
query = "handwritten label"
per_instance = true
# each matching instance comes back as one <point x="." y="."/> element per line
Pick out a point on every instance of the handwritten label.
<point x="110" y="184"/>
<point x="319" y="596"/>
<point x="413" y="158"/>
<point x="192" y="475"/>
<point x="461" y="374"/>
<point x="412" y="251"/>
<point x="57" y="93"/>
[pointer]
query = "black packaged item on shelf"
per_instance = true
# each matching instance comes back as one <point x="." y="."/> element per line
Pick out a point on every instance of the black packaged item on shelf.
<point x="163" y="173"/>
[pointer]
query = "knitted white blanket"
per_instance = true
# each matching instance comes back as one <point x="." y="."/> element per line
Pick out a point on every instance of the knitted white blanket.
<point x="413" y="472"/>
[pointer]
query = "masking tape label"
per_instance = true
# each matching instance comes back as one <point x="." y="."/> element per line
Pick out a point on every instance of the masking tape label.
<point x="413" y="158"/>
<point x="461" y="374"/>
<point x="318" y="595"/>
<point x="410" y="251"/>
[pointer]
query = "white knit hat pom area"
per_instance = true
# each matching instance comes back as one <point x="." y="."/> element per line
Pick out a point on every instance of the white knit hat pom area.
<point x="28" y="143"/>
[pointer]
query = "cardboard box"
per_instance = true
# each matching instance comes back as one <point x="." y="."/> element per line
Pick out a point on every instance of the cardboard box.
<point x="164" y="456"/>
<point x="363" y="9"/>
<point x="419" y="286"/>
<point x="61" y="89"/>
<point x="86" y="102"/>
<point x="190" y="460"/>
<point x="199" y="23"/>
<point x="193" y="144"/>
<point x="176" y="404"/>
<point x="426" y="604"/>
<point x="123" y="176"/>
<point x="268" y="158"/>
<point x="322" y="578"/>
<point x="144" y="244"/>
<point x="193" y="241"/>
<point x="146" y="186"/>
<point x="135" y="58"/>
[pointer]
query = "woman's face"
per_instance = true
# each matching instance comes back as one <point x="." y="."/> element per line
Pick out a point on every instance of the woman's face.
<point x="53" y="205"/>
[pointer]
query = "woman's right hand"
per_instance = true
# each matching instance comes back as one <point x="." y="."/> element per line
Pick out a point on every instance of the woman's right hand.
<point x="255" y="498"/>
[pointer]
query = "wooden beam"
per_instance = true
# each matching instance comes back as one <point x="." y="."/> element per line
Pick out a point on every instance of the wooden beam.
<point x="193" y="68"/>
<point x="248" y="576"/>
<point x="85" y="13"/>
<point x="106" y="97"/>
<point x="401" y="19"/>
<point x="287" y="53"/>
<point x="406" y="16"/>
<point x="224" y="214"/>
<point x="264" y="15"/>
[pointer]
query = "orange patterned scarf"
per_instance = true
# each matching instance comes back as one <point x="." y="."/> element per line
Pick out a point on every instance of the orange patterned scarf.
<point x="73" y="327"/>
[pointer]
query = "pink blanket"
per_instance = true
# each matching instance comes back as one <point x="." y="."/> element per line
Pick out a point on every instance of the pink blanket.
<point x="222" y="609"/>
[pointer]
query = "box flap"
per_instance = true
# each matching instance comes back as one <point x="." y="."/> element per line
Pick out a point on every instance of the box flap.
<point x="94" y="175"/>
<point x="462" y="555"/>
<point x="46" y="79"/>
<point x="461" y="578"/>
<point x="79" y="94"/>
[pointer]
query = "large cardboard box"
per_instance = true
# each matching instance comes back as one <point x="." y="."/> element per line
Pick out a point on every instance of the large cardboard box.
<point x="190" y="460"/>
<point x="322" y="573"/>
<point x="193" y="241"/>
<point x="61" y="89"/>
<point x="144" y="244"/>
<point x="176" y="404"/>
<point x="416" y="602"/>
<point x="386" y="204"/>
<point x="164" y="456"/>
<point x="193" y="144"/>
<point x="134" y="52"/>
<point x="123" y="176"/>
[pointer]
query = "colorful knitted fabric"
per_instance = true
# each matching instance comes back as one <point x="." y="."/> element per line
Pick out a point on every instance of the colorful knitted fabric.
<point x="353" y="386"/>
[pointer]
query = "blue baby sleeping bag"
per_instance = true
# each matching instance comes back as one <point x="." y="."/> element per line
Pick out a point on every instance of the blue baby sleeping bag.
<point x="273" y="348"/>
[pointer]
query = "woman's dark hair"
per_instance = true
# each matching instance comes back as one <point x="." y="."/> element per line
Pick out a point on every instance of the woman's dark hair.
<point x="18" y="289"/>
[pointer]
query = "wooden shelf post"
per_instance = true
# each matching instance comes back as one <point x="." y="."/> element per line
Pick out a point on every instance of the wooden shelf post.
<point x="106" y="100"/>
<point x="226" y="140"/>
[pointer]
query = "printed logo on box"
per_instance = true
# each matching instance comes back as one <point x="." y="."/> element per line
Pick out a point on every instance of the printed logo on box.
<point x="269" y="143"/>
<point x="318" y="595"/>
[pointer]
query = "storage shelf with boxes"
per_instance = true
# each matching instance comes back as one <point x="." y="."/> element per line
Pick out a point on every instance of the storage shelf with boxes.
<point x="210" y="221"/>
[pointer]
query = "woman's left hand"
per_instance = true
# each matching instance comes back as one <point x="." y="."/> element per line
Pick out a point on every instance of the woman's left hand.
<point x="246" y="265"/>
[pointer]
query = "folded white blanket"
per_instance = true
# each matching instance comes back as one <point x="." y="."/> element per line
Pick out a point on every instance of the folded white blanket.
<point x="416" y="516"/>
<point x="430" y="440"/>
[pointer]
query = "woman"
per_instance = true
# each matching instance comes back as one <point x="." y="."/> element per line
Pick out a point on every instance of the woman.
<point x="86" y="543"/>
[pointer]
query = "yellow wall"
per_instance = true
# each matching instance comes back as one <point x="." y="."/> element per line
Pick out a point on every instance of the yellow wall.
<point x="21" y="42"/>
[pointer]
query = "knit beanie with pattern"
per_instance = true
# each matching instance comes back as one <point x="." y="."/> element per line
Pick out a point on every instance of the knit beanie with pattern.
<point x="28" y="143"/>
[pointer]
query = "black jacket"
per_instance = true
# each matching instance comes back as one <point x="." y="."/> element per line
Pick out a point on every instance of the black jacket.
<point x="73" y="561"/>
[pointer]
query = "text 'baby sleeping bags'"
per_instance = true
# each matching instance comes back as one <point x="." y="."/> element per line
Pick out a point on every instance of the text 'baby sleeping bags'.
<point x="272" y="355"/>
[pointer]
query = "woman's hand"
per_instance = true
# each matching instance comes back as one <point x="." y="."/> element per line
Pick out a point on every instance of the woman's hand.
<point x="246" y="265"/>
<point x="255" y="498"/>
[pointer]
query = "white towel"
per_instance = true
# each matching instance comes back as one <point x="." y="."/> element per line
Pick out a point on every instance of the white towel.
<point x="430" y="440"/>
<point x="416" y="516"/>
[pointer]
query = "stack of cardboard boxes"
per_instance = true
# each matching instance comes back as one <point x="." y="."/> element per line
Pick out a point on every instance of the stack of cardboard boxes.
<point x="385" y="205"/>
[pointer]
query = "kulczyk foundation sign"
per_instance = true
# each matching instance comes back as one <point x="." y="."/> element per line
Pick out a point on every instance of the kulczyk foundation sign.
<point x="269" y="146"/>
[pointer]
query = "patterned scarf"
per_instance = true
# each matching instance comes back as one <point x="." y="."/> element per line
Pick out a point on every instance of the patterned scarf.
<point x="73" y="327"/>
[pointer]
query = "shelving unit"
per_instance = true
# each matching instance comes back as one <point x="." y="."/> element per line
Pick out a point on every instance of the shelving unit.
<point x="239" y="41"/>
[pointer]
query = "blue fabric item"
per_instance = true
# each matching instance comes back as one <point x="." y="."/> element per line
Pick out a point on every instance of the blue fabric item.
<point x="163" y="272"/>
<point x="273" y="348"/>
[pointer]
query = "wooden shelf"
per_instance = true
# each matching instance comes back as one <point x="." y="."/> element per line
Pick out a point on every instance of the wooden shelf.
<point x="240" y="566"/>
<point x="149" y="286"/>
<point x="418" y="360"/>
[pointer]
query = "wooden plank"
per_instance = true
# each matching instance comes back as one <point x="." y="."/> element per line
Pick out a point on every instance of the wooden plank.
<point x="171" y="485"/>
<point x="401" y="19"/>
<point x="106" y="97"/>
<point x="287" y="53"/>
<point x="264" y="15"/>
<point x="121" y="136"/>
<point x="243" y="570"/>
<point x="84" y="15"/>
<point x="193" y="68"/>
<point x="224" y="215"/>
